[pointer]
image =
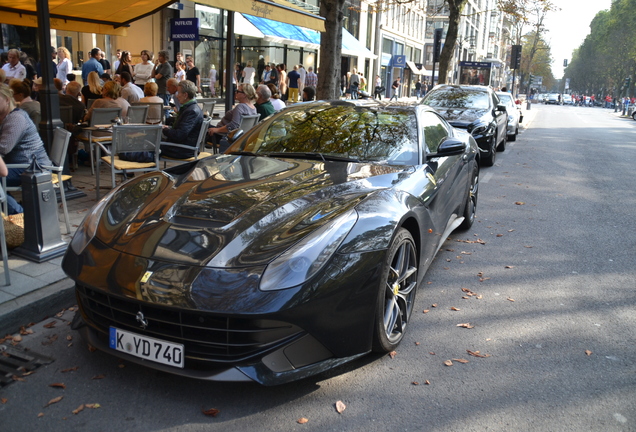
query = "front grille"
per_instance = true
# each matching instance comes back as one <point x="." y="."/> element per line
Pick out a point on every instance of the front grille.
<point x="205" y="336"/>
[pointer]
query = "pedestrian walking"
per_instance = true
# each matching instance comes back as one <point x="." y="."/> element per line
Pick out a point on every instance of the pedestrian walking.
<point x="396" y="89"/>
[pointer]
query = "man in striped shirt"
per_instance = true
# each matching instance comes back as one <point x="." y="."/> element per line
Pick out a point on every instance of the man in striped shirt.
<point x="311" y="79"/>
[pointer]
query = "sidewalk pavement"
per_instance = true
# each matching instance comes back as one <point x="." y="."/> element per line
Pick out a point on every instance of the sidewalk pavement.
<point x="41" y="290"/>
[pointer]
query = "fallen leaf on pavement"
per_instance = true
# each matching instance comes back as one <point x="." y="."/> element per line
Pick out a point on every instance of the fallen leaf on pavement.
<point x="588" y="352"/>
<point x="25" y="331"/>
<point x="78" y="409"/>
<point x="519" y="203"/>
<point x="453" y="308"/>
<point x="3" y="400"/>
<point x="499" y="235"/>
<point x="427" y="382"/>
<point x="91" y="348"/>
<point x="461" y="360"/>
<point x="100" y="376"/>
<point x="509" y="267"/>
<point x="426" y="311"/>
<point x="212" y="412"/>
<point x="417" y="343"/>
<point x="340" y="407"/>
<point x="434" y="305"/>
<point x="510" y="299"/>
<point x="28" y="373"/>
<point x="448" y="363"/>
<point x="69" y="337"/>
<point x="54" y="400"/>
<point x="72" y="369"/>
<point x="476" y="354"/>
<point x="17" y="378"/>
<point x="483" y="279"/>
<point x="466" y="325"/>
<point x="50" y="325"/>
<point x="17" y="338"/>
<point x="302" y="420"/>
<point x="431" y="353"/>
<point x="415" y="383"/>
<point x="93" y="405"/>
<point x="40" y="415"/>
<point x="58" y="385"/>
<point x="392" y="354"/>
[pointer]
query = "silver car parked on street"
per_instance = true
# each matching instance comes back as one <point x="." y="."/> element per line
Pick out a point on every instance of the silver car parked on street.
<point x="514" y="115"/>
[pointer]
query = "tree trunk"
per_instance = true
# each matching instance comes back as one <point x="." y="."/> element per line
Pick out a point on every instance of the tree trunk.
<point x="455" y="7"/>
<point x="330" y="49"/>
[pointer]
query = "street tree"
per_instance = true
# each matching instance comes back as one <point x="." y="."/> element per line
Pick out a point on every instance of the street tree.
<point x="330" y="49"/>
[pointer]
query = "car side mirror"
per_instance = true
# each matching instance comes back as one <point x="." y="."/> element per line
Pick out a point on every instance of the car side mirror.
<point x="501" y="108"/>
<point x="450" y="147"/>
<point x="234" y="135"/>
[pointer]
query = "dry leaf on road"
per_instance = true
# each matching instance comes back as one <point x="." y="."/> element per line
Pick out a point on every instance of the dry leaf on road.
<point x="510" y="299"/>
<point x="54" y="400"/>
<point x="392" y="354"/>
<point x="302" y="420"/>
<point x="340" y="407"/>
<point x="466" y="325"/>
<point x="477" y="354"/>
<point x="453" y="308"/>
<point x="78" y="409"/>
<point x="212" y="412"/>
<point x="588" y="352"/>
<point x="58" y="385"/>
<point x="448" y="363"/>
<point x="72" y="369"/>
<point x="427" y="382"/>
<point x="50" y="325"/>
<point x="461" y="360"/>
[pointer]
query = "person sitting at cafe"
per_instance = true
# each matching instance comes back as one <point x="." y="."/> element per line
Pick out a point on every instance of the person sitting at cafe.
<point x="111" y="98"/>
<point x="184" y="130"/>
<point x="129" y="91"/>
<point x="92" y="90"/>
<point x="263" y="105"/>
<point x="71" y="98"/>
<point x="22" y="95"/>
<point x="246" y="96"/>
<point x="19" y="140"/>
<point x="155" y="113"/>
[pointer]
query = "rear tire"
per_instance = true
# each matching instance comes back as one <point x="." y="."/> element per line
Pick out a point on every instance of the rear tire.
<point x="397" y="291"/>
<point x="513" y="137"/>
<point x="470" y="207"/>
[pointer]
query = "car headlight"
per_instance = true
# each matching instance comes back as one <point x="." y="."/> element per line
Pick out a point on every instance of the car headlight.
<point x="479" y="129"/>
<point x="307" y="257"/>
<point x="88" y="228"/>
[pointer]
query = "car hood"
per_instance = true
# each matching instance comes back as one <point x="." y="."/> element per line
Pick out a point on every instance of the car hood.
<point x="234" y="211"/>
<point x="462" y="117"/>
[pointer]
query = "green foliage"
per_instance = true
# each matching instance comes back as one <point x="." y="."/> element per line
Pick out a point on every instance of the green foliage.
<point x="608" y="55"/>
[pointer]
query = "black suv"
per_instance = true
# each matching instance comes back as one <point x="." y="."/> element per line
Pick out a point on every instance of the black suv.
<point x="476" y="109"/>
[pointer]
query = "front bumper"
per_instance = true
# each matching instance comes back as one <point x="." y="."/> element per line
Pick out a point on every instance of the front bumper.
<point x="231" y="331"/>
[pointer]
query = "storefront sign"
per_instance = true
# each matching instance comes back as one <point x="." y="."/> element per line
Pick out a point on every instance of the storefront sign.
<point x="476" y="64"/>
<point x="184" y="29"/>
<point x="398" y="61"/>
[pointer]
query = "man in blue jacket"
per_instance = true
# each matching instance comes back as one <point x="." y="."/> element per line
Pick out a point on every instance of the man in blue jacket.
<point x="187" y="125"/>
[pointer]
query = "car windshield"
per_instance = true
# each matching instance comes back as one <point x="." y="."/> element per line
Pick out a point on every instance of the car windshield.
<point x="337" y="132"/>
<point x="506" y="99"/>
<point x="453" y="97"/>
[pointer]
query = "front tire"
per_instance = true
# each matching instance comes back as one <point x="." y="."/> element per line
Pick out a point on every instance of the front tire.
<point x="502" y="145"/>
<point x="398" y="287"/>
<point x="489" y="159"/>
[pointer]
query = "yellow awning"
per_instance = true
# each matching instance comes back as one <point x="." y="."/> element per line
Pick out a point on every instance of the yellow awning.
<point x="276" y="10"/>
<point x="88" y="16"/>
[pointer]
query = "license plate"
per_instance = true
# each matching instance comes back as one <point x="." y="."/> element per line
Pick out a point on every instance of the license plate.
<point x="145" y="347"/>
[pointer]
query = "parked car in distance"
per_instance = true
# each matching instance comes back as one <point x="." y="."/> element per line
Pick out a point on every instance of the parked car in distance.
<point x="567" y="100"/>
<point x="299" y="249"/>
<point x="514" y="114"/>
<point x="476" y="109"/>
<point x="553" y="99"/>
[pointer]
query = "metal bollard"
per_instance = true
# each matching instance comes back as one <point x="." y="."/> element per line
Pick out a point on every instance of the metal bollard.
<point x="42" y="238"/>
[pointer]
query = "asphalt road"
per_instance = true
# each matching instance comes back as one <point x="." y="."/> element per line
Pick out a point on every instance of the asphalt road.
<point x="551" y="263"/>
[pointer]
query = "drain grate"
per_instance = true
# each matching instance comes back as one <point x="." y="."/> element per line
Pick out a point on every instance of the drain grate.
<point x="15" y="361"/>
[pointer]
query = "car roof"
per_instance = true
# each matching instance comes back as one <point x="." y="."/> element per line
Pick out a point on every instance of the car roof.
<point x="463" y="87"/>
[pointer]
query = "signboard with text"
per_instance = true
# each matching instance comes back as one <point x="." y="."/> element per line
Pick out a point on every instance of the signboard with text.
<point x="184" y="29"/>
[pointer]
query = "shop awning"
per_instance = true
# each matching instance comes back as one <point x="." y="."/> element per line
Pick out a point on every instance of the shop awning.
<point x="298" y="36"/>
<point x="88" y="16"/>
<point x="273" y="10"/>
<point x="413" y="68"/>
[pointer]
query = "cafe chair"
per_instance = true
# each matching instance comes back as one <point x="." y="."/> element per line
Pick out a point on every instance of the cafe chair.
<point x="128" y="138"/>
<point x="206" y="105"/>
<point x="102" y="118"/>
<point x="59" y="148"/>
<point x="137" y="114"/>
<point x="199" y="151"/>
<point x="155" y="111"/>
